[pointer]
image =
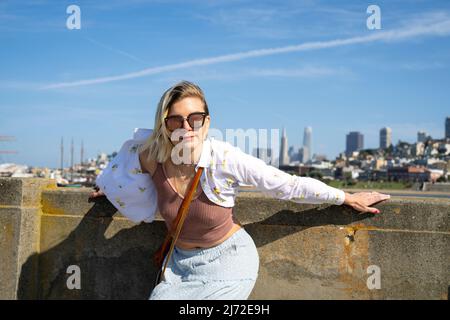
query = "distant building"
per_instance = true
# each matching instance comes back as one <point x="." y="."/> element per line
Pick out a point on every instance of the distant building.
<point x="409" y="174"/>
<point x="354" y="142"/>
<point x="418" y="149"/>
<point x="421" y="136"/>
<point x="293" y="155"/>
<point x="303" y="154"/>
<point x="284" y="156"/>
<point x="447" y="127"/>
<point x="385" y="137"/>
<point x="264" y="154"/>
<point x="307" y="144"/>
<point x="320" y="157"/>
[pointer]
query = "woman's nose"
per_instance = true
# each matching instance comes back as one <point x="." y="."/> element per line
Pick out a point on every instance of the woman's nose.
<point x="186" y="125"/>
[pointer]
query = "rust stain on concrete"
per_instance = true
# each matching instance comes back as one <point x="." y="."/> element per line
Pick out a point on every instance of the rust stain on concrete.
<point x="354" y="261"/>
<point x="48" y="208"/>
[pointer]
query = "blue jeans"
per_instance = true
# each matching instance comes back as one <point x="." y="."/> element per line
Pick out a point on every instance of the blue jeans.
<point x="226" y="271"/>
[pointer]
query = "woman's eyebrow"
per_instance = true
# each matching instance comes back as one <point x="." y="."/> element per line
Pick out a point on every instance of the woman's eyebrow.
<point x="170" y="115"/>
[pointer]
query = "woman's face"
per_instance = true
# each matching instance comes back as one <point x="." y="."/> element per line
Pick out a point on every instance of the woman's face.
<point x="190" y="137"/>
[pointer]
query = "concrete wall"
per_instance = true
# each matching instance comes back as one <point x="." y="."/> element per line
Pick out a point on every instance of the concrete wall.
<point x="306" y="251"/>
<point x="437" y="186"/>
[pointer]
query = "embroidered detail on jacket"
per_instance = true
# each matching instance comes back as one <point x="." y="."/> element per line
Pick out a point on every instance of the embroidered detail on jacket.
<point x="230" y="182"/>
<point x="136" y="171"/>
<point x="121" y="204"/>
<point x="134" y="148"/>
<point x="302" y="196"/>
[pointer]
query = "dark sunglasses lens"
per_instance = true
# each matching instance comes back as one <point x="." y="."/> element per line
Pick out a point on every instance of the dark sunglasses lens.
<point x="174" y="123"/>
<point x="196" y="120"/>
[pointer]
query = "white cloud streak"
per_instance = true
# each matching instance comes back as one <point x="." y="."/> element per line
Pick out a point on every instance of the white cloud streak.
<point x="441" y="28"/>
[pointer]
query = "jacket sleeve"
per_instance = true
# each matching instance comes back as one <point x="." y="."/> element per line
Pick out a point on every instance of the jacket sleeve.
<point x="279" y="184"/>
<point x="130" y="190"/>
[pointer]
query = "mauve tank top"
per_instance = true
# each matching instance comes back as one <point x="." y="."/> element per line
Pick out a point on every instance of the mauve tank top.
<point x="205" y="223"/>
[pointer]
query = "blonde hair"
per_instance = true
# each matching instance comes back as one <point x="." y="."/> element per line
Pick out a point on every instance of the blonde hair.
<point x="159" y="144"/>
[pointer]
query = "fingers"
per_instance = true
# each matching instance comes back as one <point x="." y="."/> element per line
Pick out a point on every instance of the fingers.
<point x="372" y="210"/>
<point x="382" y="196"/>
<point x="364" y="209"/>
<point x="96" y="194"/>
<point x="375" y="197"/>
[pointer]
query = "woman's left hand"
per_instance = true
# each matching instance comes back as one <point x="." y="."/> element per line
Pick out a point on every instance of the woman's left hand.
<point x="362" y="201"/>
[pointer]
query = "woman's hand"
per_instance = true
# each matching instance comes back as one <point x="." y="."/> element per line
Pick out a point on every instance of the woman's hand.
<point x="362" y="201"/>
<point x="96" y="193"/>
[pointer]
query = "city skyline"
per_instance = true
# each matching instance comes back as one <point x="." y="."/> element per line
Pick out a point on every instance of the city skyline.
<point x="265" y="153"/>
<point x="261" y="65"/>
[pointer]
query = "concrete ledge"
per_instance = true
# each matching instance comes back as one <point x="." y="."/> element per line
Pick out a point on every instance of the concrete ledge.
<point x="20" y="210"/>
<point x="306" y="251"/>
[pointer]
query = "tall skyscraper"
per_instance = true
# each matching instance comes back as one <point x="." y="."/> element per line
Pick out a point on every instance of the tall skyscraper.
<point x="284" y="156"/>
<point x="447" y="127"/>
<point x="82" y="153"/>
<point x="62" y="156"/>
<point x="293" y="154"/>
<point x="385" y="137"/>
<point x="71" y="161"/>
<point x="307" y="144"/>
<point x="355" y="142"/>
<point x="421" y="136"/>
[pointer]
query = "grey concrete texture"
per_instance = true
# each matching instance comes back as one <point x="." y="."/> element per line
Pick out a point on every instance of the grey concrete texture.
<point x="20" y="211"/>
<point x="306" y="251"/>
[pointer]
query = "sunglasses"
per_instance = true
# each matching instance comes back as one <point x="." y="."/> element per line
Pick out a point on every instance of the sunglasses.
<point x="195" y="120"/>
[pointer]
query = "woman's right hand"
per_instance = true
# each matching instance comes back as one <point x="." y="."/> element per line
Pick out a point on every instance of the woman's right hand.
<point x="362" y="201"/>
<point x="96" y="193"/>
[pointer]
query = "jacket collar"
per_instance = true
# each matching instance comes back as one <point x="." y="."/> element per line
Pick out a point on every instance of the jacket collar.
<point x="205" y="157"/>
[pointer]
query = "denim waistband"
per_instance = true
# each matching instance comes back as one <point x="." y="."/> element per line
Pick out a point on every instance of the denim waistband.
<point x="235" y="237"/>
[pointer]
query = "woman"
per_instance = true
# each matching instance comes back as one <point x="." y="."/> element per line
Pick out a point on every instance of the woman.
<point x="214" y="257"/>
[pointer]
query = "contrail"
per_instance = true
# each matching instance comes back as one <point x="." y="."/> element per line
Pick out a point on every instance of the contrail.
<point x="123" y="53"/>
<point x="441" y="28"/>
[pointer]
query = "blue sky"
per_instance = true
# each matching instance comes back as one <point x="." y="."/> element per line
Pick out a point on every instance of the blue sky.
<point x="318" y="65"/>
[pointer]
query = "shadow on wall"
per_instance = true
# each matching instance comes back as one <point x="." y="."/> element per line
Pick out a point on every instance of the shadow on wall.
<point x="121" y="267"/>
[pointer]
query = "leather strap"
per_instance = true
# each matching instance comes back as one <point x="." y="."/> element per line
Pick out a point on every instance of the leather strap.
<point x="181" y="216"/>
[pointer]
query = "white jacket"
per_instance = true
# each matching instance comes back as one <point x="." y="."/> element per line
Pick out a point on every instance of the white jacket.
<point x="134" y="194"/>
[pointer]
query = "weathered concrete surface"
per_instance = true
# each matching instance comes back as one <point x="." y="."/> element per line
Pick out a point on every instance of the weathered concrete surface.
<point x="438" y="186"/>
<point x="306" y="251"/>
<point x="20" y="205"/>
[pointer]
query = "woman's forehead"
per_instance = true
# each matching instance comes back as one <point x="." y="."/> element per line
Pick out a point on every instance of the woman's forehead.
<point x="186" y="106"/>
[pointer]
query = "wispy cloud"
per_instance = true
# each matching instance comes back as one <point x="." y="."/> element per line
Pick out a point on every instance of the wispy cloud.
<point x="244" y="73"/>
<point x="280" y="20"/>
<point x="423" y="66"/>
<point x="437" y="28"/>
<point x="117" y="51"/>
